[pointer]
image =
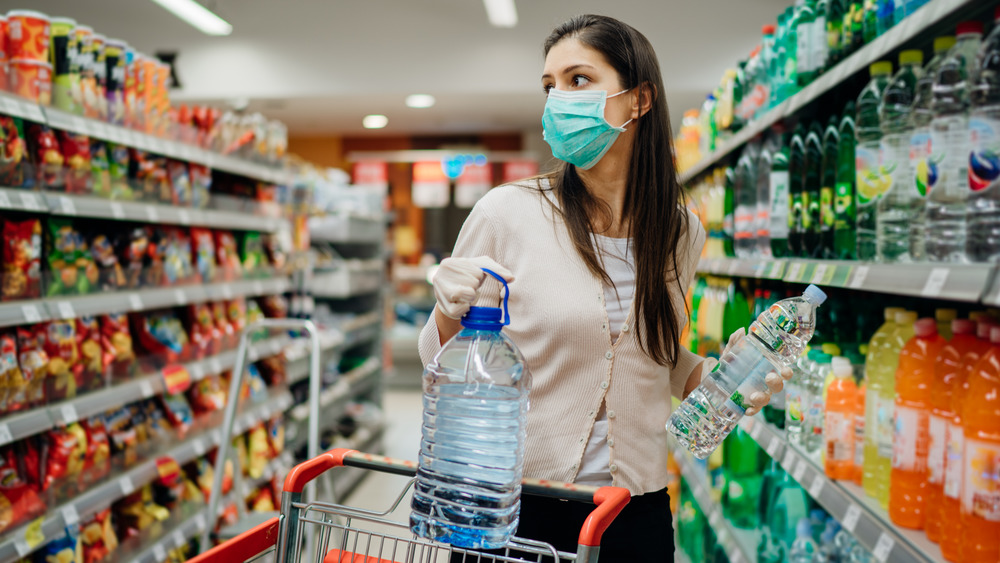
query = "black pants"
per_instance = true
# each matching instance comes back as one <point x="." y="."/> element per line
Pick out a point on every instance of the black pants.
<point x="642" y="533"/>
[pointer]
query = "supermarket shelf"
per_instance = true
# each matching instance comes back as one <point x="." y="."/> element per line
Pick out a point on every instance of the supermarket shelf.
<point x="15" y="545"/>
<point x="346" y="229"/>
<point x="348" y="478"/>
<point x="957" y="282"/>
<point x="188" y="524"/>
<point x="349" y="280"/>
<point x="70" y="307"/>
<point x="897" y="36"/>
<point x="35" y="421"/>
<point x="181" y="151"/>
<point x="349" y="385"/>
<point x="739" y="545"/>
<point x="863" y="517"/>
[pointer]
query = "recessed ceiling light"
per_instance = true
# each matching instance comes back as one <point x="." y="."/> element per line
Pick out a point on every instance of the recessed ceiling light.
<point x="501" y="13"/>
<point x="198" y="16"/>
<point x="375" y="121"/>
<point x="420" y="101"/>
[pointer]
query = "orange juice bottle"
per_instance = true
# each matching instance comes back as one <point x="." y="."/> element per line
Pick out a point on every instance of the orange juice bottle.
<point x="908" y="478"/>
<point x="954" y="470"/>
<point x="838" y="428"/>
<point x="980" y="509"/>
<point x="948" y="369"/>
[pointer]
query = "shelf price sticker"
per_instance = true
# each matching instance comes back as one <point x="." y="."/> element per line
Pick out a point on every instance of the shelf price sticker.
<point x="4" y="200"/>
<point x="135" y="302"/>
<point x="935" y="282"/>
<point x="800" y="472"/>
<point x="67" y="206"/>
<point x="152" y="214"/>
<point x="788" y="460"/>
<point x="68" y="413"/>
<point x="126" y="485"/>
<point x="199" y="447"/>
<point x="159" y="553"/>
<point x="183" y="217"/>
<point x="227" y="291"/>
<point x="146" y="388"/>
<point x="70" y="514"/>
<point x="851" y="517"/>
<point x="180" y="296"/>
<point x="756" y="431"/>
<point x="29" y="202"/>
<point x="199" y="521"/>
<point x="179" y="539"/>
<point x="5" y="436"/>
<point x="31" y="314"/>
<point x="117" y="211"/>
<point x="66" y="310"/>
<point x="793" y="272"/>
<point x="258" y="287"/>
<point x="883" y="547"/>
<point x="816" y="487"/>
<point x="735" y="556"/>
<point x="215" y="366"/>
<point x="823" y="274"/>
<point x="176" y="379"/>
<point x="772" y="447"/>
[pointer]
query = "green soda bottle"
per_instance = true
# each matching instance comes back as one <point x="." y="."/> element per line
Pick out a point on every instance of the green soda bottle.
<point x="844" y="239"/>
<point x="743" y="462"/>
<point x="835" y="14"/>
<point x="812" y="184"/>
<point x="828" y="177"/>
<point x="796" y="192"/>
<point x="869" y="24"/>
<point x="728" y="208"/>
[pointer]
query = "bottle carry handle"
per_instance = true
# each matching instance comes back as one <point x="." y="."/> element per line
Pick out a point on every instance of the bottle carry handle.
<point x="506" y="295"/>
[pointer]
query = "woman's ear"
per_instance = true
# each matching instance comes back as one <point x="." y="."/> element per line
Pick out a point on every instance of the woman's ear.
<point x="643" y="101"/>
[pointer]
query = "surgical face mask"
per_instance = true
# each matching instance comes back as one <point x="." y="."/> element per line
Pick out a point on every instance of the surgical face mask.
<point x="575" y="128"/>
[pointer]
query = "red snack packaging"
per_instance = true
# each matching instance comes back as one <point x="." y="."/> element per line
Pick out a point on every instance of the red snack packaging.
<point x="64" y="371"/>
<point x="34" y="364"/>
<point x="94" y="359"/>
<point x="98" y="537"/>
<point x="201" y="184"/>
<point x="226" y="331"/>
<point x="228" y="258"/>
<point x="18" y="501"/>
<point x="11" y="379"/>
<point x="207" y="395"/>
<point x="64" y="463"/>
<point x="180" y="182"/>
<point x="97" y="464"/>
<point x="204" y="334"/>
<point x="203" y="254"/>
<point x="76" y="156"/>
<point x="13" y="152"/>
<point x="150" y="174"/>
<point x="22" y="249"/>
<point x="116" y="343"/>
<point x="236" y="310"/>
<point x="47" y="157"/>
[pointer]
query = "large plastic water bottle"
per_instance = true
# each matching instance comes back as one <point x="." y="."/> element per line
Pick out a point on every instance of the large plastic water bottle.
<point x="950" y="147"/>
<point x="804" y="549"/>
<point x="775" y="339"/>
<point x="468" y="485"/>
<point x="745" y="185"/>
<point x="983" y="241"/>
<point x="871" y="183"/>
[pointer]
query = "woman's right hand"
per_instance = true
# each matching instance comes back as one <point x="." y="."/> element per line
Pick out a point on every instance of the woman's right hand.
<point x="457" y="282"/>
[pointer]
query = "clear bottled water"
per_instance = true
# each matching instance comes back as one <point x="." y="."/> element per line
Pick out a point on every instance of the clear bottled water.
<point x="468" y="484"/>
<point x="901" y="209"/>
<point x="775" y="339"/>
<point x="804" y="549"/>
<point x="871" y="182"/>
<point x="951" y="144"/>
<point x="763" y="182"/>
<point x="745" y="216"/>
<point x="797" y="399"/>
<point x="983" y="242"/>
<point x="812" y="435"/>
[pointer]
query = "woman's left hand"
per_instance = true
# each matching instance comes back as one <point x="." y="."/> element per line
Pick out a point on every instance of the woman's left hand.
<point x="775" y="381"/>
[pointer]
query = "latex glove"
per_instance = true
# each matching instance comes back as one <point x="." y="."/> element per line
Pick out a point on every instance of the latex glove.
<point x="775" y="381"/>
<point x="457" y="282"/>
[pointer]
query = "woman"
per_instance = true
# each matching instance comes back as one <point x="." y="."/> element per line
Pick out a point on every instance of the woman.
<point x="599" y="255"/>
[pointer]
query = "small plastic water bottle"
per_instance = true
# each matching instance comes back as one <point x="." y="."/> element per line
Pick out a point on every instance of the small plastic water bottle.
<point x="775" y="339"/>
<point x="468" y="485"/>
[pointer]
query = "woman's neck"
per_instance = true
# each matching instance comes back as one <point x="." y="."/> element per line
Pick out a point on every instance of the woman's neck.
<point x="607" y="181"/>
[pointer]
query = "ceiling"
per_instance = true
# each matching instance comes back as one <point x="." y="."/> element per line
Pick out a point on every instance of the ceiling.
<point x="321" y="65"/>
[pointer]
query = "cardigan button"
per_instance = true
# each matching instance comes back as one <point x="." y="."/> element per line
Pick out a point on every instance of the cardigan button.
<point x="604" y="385"/>
<point x="609" y="355"/>
<point x="591" y="414"/>
<point x="611" y="442"/>
<point x="613" y="468"/>
<point x="611" y="414"/>
<point x="625" y="328"/>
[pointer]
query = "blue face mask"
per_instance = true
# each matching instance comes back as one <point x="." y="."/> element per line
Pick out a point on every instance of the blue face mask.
<point x="575" y="128"/>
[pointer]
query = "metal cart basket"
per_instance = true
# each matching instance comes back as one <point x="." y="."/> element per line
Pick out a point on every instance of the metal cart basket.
<point x="343" y="534"/>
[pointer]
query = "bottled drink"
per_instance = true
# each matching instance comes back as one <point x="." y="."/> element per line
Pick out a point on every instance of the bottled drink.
<point x="944" y="318"/>
<point x="811" y="193"/>
<point x="728" y="212"/>
<point x="712" y="410"/>
<point x="795" y="53"/>
<point x="777" y="64"/>
<point x="706" y="126"/>
<point x="870" y="21"/>
<point x="468" y="485"/>
<point x="780" y="200"/>
<point x="901" y="207"/>
<point x="805" y="18"/>
<point x="819" y="40"/>
<point x="983" y="243"/>
<point x="763" y="93"/>
<point x="855" y="22"/>
<point x="951" y="144"/>
<point x="914" y="378"/>
<point x="836" y="11"/>
<point x="763" y="182"/>
<point x="873" y="367"/>
<point x="796" y="193"/>
<point x="947" y="370"/>
<point x="746" y="202"/>
<point x="804" y="549"/>
<point x="920" y="121"/>
<point x="844" y="238"/>
<point x="743" y="461"/>
<point x="859" y="431"/>
<point x="797" y="399"/>
<point x="838" y="429"/>
<point x="828" y="182"/>
<point x="870" y="183"/>
<point x="980" y="501"/>
<point x="885" y="15"/>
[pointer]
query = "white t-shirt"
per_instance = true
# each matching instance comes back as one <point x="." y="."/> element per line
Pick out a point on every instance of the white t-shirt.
<point x="619" y="263"/>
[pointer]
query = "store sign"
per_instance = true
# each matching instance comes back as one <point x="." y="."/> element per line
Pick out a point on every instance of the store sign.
<point x="430" y="185"/>
<point x="518" y="170"/>
<point x="372" y="174"/>
<point x="472" y="185"/>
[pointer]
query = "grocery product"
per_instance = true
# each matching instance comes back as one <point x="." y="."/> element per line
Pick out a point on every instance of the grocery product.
<point x="742" y="464"/>
<point x="713" y="409"/>
<point x="483" y="513"/>
<point x="780" y="200"/>
<point x="828" y="178"/>
<point x="921" y="114"/>
<point x="983" y="239"/>
<point x="22" y="249"/>
<point x="114" y="86"/>
<point x="900" y="213"/>
<point x="28" y="35"/>
<point x="804" y="549"/>
<point x="838" y="428"/>
<point x="871" y="183"/>
<point x="944" y="318"/>
<point x="763" y="187"/>
<point x="797" y="399"/>
<point x="798" y="204"/>
<point x="914" y="379"/>
<point x="63" y="55"/>
<point x="31" y="79"/>
<point x="745" y="188"/>
<point x="812" y="183"/>
<point x="844" y="227"/>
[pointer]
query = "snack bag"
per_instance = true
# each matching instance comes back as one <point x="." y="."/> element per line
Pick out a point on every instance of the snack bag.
<point x="201" y="184"/>
<point x="71" y="267"/>
<point x="252" y="253"/>
<point x="272" y="369"/>
<point x="67" y="453"/>
<point x="227" y="257"/>
<point x="47" y="158"/>
<point x="262" y="501"/>
<point x="11" y="379"/>
<point x="18" y="501"/>
<point x="13" y="154"/>
<point x="275" y="251"/>
<point x="98" y="537"/>
<point x="148" y="173"/>
<point x="180" y="181"/>
<point x="226" y="331"/>
<point x="110" y="276"/>
<point x="161" y="336"/>
<point x="118" y="172"/>
<point x="65" y="371"/>
<point x="236" y="310"/>
<point x="97" y="464"/>
<point x="254" y="387"/>
<point x="208" y="395"/>
<point x="65" y="549"/>
<point x="100" y="168"/>
<point x="76" y="156"/>
<point x="122" y="437"/>
<point x="116" y="342"/>
<point x="201" y="328"/>
<point x="22" y="249"/>
<point x="93" y="359"/>
<point x="276" y="436"/>
<point x="203" y="249"/>
<point x="154" y="273"/>
<point x="177" y="265"/>
<point x="258" y="451"/>
<point x="34" y="365"/>
<point x="133" y="249"/>
<point x="178" y="412"/>
<point x="274" y="306"/>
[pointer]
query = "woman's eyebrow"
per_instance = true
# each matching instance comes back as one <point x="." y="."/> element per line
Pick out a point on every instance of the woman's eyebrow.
<point x="569" y="69"/>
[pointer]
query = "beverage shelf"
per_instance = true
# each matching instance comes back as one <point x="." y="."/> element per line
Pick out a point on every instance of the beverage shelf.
<point x="57" y="119"/>
<point x="25" y="540"/>
<point x="858" y="514"/>
<point x="958" y="282"/>
<point x="929" y="15"/>
<point x="739" y="545"/>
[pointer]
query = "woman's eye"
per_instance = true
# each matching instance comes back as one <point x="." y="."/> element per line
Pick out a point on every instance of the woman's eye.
<point x="580" y="80"/>
<point x="546" y="88"/>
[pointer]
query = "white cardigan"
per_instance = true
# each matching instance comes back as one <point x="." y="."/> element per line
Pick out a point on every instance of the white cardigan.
<point x="560" y="324"/>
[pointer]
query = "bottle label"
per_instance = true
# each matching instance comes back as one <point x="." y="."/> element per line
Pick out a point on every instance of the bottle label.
<point x="803" y="52"/>
<point x="826" y="212"/>
<point x="920" y="152"/>
<point x="843" y="206"/>
<point x="981" y="491"/>
<point x="870" y="183"/>
<point x="763" y="221"/>
<point x="745" y="221"/>
<point x="736" y="403"/>
<point x="779" y="204"/>
<point x="806" y="211"/>
<point x="839" y="432"/>
<point x="793" y="403"/>
<point x="937" y="449"/>
<point x="814" y="418"/>
<point x="833" y="34"/>
<point x="948" y="167"/>
<point x="909" y="452"/>
<point x="884" y="426"/>
<point x="859" y="440"/>
<point x="727" y="224"/>
<point x="954" y="451"/>
<point x="819" y="39"/>
<point x="984" y="159"/>
<point x="892" y="155"/>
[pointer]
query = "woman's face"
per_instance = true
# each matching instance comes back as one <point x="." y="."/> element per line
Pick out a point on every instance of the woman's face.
<point x="571" y="65"/>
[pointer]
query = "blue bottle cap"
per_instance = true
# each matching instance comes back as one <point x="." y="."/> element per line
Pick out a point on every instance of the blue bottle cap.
<point x="489" y="318"/>
<point x="814" y="295"/>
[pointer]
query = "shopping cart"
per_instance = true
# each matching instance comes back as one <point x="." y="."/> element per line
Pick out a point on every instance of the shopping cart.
<point x="343" y="534"/>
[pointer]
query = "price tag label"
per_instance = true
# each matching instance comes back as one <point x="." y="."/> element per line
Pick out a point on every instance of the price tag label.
<point x="152" y="214"/>
<point x="180" y="296"/>
<point x="117" y="211"/>
<point x="159" y="553"/>
<point x="70" y="515"/>
<point x="29" y="202"/>
<point x="850" y="521"/>
<point x="68" y="413"/>
<point x="33" y="112"/>
<point x="227" y="291"/>
<point x="199" y="521"/>
<point x="199" y="447"/>
<point x="883" y="547"/>
<point x="66" y="205"/>
<point x="215" y="366"/>
<point x="816" y="487"/>
<point x="11" y="107"/>
<point x="819" y="276"/>
<point x="935" y="282"/>
<point x="179" y="539"/>
<point x="800" y="471"/>
<point x="4" y="200"/>
<point x="22" y="547"/>
<point x="66" y="310"/>
<point x="80" y="125"/>
<point x="197" y="372"/>
<point x="126" y="485"/>
<point x="772" y="448"/>
<point x="146" y="388"/>
<point x="258" y="287"/>
<point x="715" y="518"/>
<point x="135" y="302"/>
<point x="732" y="267"/>
<point x="788" y="460"/>
<point x="736" y="556"/>
<point x="5" y="436"/>
<point x="793" y="272"/>
<point x="858" y="278"/>
<point x="183" y="217"/>
<point x="756" y="431"/>
<point x="31" y="314"/>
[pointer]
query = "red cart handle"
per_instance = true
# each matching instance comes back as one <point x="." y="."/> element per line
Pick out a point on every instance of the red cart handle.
<point x="244" y="546"/>
<point x="306" y="471"/>
<point x="610" y="501"/>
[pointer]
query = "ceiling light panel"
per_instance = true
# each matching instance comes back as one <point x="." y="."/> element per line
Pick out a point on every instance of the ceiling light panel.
<point x="374" y="121"/>
<point x="420" y="101"/>
<point x="200" y="17"/>
<point x="502" y="13"/>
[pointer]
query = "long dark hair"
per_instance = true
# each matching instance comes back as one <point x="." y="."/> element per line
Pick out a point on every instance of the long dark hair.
<point x="656" y="219"/>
